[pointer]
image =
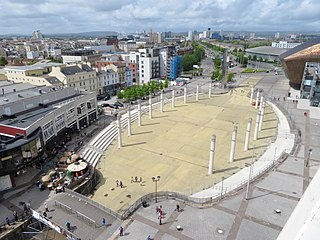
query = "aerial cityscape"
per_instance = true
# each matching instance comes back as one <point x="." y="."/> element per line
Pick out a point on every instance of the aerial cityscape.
<point x="149" y="120"/>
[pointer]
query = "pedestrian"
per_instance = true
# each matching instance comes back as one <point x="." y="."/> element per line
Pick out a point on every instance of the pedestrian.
<point x="46" y="208"/>
<point x="178" y="207"/>
<point x="157" y="209"/>
<point x="131" y="179"/>
<point x="68" y="224"/>
<point x="15" y="214"/>
<point x="45" y="214"/>
<point x="136" y="178"/>
<point x="160" y="209"/>
<point x="104" y="223"/>
<point x="121" y="185"/>
<point x="121" y="231"/>
<point x="141" y="181"/>
<point x="117" y="183"/>
<point x="7" y="221"/>
<point x="160" y="218"/>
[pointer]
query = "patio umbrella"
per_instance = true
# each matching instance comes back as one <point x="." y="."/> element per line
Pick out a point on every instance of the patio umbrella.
<point x="75" y="157"/>
<point x="77" y="166"/>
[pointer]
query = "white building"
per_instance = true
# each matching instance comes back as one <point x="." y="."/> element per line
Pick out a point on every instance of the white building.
<point x="101" y="48"/>
<point x="32" y="54"/>
<point x="109" y="80"/>
<point x="284" y="44"/>
<point x="54" y="52"/>
<point x="148" y="64"/>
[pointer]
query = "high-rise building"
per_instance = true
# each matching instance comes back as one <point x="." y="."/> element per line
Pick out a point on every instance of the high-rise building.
<point x="277" y="35"/>
<point x="37" y="35"/>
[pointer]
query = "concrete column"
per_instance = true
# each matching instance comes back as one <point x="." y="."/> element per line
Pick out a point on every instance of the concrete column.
<point x="261" y="114"/>
<point x="185" y="95"/>
<point x="197" y="93"/>
<point x="173" y="99"/>
<point x="212" y="149"/>
<point x="129" y="121"/>
<point x="139" y="113"/>
<point x="247" y="140"/>
<point x="233" y="143"/>
<point x="257" y="99"/>
<point x="255" y="135"/>
<point x="210" y="89"/>
<point x="261" y="101"/>
<point x="119" y="131"/>
<point x="251" y="95"/>
<point x="150" y="106"/>
<point x="161" y="102"/>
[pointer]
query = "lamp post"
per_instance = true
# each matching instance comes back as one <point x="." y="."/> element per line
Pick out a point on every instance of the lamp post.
<point x="156" y="180"/>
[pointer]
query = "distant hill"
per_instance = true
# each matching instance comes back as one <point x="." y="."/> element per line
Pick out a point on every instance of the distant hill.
<point x="84" y="34"/>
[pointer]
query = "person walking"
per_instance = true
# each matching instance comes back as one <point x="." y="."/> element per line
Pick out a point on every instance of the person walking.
<point x="157" y="209"/>
<point x="45" y="214"/>
<point x="104" y="222"/>
<point x="121" y="231"/>
<point x="178" y="207"/>
<point x="117" y="183"/>
<point x="131" y="179"/>
<point x="15" y="214"/>
<point x="46" y="208"/>
<point x="121" y="185"/>
<point x="8" y="221"/>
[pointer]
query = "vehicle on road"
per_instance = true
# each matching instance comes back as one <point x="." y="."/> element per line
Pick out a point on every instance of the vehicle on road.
<point x="118" y="104"/>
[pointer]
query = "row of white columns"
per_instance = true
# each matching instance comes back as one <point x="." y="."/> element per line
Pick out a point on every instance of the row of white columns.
<point x="258" y="127"/>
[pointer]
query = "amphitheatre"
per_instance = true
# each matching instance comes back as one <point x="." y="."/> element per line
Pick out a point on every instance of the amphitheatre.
<point x="175" y="145"/>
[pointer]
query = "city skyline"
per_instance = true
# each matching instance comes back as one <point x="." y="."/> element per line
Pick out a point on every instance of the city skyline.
<point x="23" y="17"/>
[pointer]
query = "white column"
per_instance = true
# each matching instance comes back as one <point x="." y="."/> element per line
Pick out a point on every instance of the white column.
<point x="247" y="140"/>
<point x="261" y="101"/>
<point x="251" y="96"/>
<point x="233" y="143"/>
<point x="185" y="95"/>
<point x="257" y="99"/>
<point x="129" y="121"/>
<point x="139" y="113"/>
<point x="197" y="93"/>
<point x="212" y="149"/>
<point x="261" y="114"/>
<point x="150" y="106"/>
<point x="119" y="131"/>
<point x="161" y="102"/>
<point x="255" y="135"/>
<point x="173" y="99"/>
<point x="210" y="88"/>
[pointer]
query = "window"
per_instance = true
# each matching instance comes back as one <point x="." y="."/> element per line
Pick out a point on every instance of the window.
<point x="60" y="122"/>
<point x="142" y="71"/>
<point x="142" y="75"/>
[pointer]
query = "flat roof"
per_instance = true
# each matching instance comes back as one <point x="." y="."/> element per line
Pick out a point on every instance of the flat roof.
<point x="27" y="119"/>
<point x="267" y="50"/>
<point x="33" y="67"/>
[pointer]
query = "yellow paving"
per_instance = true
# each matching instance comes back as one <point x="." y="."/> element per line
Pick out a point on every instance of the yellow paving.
<point x="175" y="145"/>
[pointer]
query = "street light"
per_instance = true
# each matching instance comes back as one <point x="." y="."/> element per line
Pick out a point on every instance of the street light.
<point x="156" y="180"/>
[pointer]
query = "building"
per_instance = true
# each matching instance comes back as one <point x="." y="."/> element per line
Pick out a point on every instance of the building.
<point x="54" y="52"/>
<point x="35" y="121"/>
<point x="294" y="60"/>
<point x="79" y="76"/>
<point x="37" y="35"/>
<point x="284" y="44"/>
<point x="119" y="67"/>
<point x="88" y="57"/>
<point x="101" y="48"/>
<point x="266" y="53"/>
<point x="166" y="54"/>
<point x="129" y="77"/>
<point x="149" y="67"/>
<point x="32" y="54"/>
<point x="36" y="74"/>
<point x="175" y="67"/>
<point x="109" y="80"/>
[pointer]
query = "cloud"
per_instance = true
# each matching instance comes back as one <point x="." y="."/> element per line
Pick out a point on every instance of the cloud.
<point x="59" y="16"/>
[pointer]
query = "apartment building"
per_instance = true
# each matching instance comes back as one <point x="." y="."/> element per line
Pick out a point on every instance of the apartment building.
<point x="37" y="74"/>
<point x="149" y="67"/>
<point x="80" y="76"/>
<point x="109" y="80"/>
<point x="119" y="67"/>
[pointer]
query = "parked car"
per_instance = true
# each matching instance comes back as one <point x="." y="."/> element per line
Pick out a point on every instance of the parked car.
<point x="118" y="104"/>
<point x="107" y="97"/>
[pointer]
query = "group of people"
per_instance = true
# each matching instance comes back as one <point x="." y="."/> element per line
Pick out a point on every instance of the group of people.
<point x="119" y="184"/>
<point x="135" y="180"/>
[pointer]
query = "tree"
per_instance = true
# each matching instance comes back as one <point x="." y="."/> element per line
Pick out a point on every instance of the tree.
<point x="3" y="61"/>
<point x="166" y="83"/>
<point x="230" y="76"/>
<point x="119" y="95"/>
<point x="254" y="58"/>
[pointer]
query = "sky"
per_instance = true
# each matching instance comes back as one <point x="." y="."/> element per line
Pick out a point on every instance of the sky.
<point x="130" y="16"/>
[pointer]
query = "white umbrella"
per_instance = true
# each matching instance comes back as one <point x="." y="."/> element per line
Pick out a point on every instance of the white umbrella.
<point x="77" y="166"/>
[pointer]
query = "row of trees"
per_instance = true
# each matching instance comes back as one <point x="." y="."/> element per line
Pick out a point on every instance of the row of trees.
<point x="215" y="48"/>
<point x="135" y="92"/>
<point x="217" y="73"/>
<point x="190" y="59"/>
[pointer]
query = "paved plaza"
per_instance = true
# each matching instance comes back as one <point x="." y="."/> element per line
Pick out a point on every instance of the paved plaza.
<point x="175" y="145"/>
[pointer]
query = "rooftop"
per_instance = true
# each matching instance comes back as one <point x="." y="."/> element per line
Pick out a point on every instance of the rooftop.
<point x="71" y="70"/>
<point x="267" y="50"/>
<point x="37" y="66"/>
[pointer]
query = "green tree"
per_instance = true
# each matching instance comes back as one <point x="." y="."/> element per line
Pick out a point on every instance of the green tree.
<point x="3" y="61"/>
<point x="230" y="76"/>
<point x="254" y="58"/>
<point x="166" y="83"/>
<point x="119" y="95"/>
